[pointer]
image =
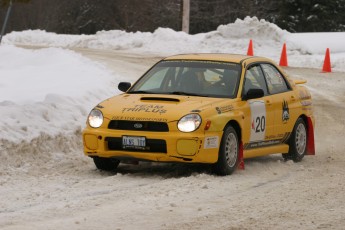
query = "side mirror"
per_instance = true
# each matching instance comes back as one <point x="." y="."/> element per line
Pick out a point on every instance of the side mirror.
<point x="124" y="86"/>
<point x="253" y="93"/>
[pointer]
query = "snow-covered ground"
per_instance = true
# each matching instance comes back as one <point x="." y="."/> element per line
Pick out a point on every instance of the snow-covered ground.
<point x="47" y="183"/>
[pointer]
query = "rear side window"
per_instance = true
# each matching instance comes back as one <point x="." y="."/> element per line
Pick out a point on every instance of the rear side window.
<point x="275" y="81"/>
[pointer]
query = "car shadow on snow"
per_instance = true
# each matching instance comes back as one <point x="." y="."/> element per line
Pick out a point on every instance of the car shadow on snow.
<point x="177" y="170"/>
<point x="165" y="170"/>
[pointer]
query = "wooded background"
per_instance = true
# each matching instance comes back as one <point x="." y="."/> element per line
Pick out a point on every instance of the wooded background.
<point x="90" y="16"/>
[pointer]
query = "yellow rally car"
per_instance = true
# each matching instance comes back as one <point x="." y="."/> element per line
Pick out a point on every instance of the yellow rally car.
<point x="203" y="108"/>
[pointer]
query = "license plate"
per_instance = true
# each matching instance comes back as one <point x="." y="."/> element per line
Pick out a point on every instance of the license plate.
<point x="133" y="142"/>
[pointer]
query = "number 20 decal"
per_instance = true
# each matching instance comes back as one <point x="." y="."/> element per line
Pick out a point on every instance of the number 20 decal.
<point x="260" y="124"/>
<point x="258" y="119"/>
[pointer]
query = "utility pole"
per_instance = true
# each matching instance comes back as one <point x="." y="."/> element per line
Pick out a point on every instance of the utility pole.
<point x="185" y="15"/>
<point x="6" y="19"/>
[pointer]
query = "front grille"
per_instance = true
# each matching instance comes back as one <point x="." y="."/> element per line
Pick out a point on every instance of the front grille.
<point x="152" y="145"/>
<point x="139" y="125"/>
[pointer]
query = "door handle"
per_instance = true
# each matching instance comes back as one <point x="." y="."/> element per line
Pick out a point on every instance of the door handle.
<point x="268" y="102"/>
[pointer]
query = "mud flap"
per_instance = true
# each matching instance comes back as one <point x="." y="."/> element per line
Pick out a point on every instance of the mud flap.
<point x="240" y="157"/>
<point x="310" y="139"/>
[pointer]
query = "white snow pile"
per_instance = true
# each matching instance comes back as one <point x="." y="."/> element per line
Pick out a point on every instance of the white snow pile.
<point x="304" y="50"/>
<point x="252" y="28"/>
<point x="45" y="97"/>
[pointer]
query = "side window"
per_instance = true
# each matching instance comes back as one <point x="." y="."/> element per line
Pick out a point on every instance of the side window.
<point x="275" y="81"/>
<point x="254" y="78"/>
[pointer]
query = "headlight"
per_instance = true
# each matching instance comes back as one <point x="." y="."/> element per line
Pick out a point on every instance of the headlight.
<point x="189" y="123"/>
<point x="95" y="118"/>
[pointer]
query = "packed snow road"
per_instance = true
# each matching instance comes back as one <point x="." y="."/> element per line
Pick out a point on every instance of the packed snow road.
<point x="63" y="190"/>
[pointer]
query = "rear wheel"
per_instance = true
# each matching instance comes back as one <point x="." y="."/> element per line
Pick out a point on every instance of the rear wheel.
<point x="298" y="142"/>
<point x="228" y="153"/>
<point x="106" y="164"/>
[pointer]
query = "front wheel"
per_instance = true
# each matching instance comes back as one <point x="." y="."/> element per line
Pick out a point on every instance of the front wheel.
<point x="298" y="142"/>
<point x="106" y="164"/>
<point x="228" y="153"/>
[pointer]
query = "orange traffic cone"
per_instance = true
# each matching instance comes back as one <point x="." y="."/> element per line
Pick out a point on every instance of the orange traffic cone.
<point x="283" y="57"/>
<point x="250" y="51"/>
<point x="327" y="62"/>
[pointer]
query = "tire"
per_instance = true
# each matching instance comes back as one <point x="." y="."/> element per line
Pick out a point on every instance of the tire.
<point x="228" y="153"/>
<point x="297" y="142"/>
<point x="106" y="164"/>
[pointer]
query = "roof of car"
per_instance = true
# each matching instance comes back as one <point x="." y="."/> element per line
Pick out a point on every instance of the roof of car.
<point x="235" y="58"/>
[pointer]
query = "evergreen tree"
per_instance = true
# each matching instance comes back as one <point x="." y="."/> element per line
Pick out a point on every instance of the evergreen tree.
<point x="312" y="15"/>
<point x="90" y="16"/>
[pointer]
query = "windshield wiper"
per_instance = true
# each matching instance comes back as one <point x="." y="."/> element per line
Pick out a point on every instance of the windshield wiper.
<point x="185" y="93"/>
<point x="142" y="92"/>
<point x="174" y="93"/>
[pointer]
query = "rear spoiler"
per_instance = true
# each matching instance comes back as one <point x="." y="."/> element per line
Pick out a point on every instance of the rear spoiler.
<point x="297" y="82"/>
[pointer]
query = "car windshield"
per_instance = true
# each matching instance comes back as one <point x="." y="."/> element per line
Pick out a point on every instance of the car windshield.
<point x="189" y="77"/>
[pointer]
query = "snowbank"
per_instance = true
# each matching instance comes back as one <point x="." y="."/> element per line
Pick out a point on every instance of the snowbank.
<point x="304" y="50"/>
<point x="34" y="74"/>
<point x="252" y="28"/>
<point x="47" y="94"/>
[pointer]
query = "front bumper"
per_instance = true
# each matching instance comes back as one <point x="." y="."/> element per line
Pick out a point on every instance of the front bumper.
<point x="172" y="146"/>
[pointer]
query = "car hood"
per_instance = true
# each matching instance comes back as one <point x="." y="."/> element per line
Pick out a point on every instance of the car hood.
<point x="153" y="107"/>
